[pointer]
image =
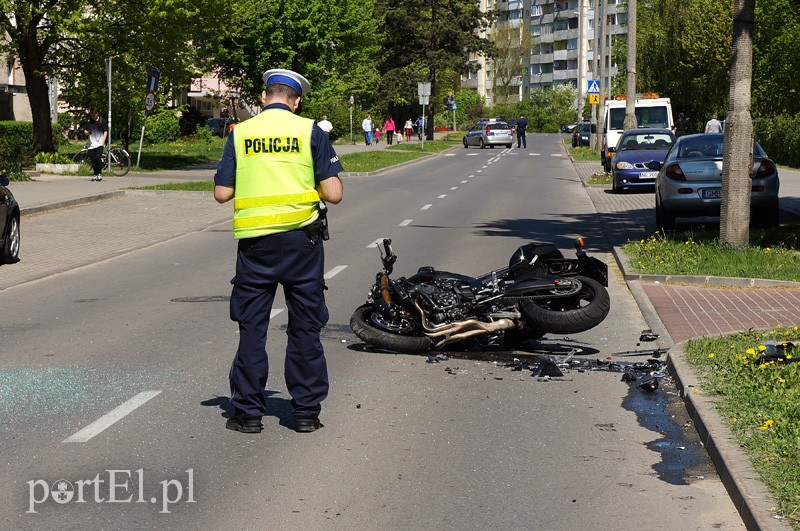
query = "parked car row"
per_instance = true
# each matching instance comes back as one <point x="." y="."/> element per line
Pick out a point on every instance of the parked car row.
<point x="686" y="175"/>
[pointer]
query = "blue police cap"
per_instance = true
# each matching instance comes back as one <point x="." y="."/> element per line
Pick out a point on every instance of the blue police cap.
<point x="287" y="77"/>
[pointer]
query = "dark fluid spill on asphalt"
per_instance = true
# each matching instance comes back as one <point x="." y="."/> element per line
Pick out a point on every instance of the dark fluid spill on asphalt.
<point x="683" y="457"/>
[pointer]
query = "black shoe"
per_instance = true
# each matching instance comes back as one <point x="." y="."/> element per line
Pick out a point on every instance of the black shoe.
<point x="244" y="425"/>
<point x="306" y="424"/>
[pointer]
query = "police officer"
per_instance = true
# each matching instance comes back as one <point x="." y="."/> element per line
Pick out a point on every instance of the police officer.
<point x="276" y="167"/>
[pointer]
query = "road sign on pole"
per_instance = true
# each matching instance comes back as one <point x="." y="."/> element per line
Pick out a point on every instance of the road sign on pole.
<point x="594" y="99"/>
<point x="153" y="76"/>
<point x="424" y="100"/>
<point x="424" y="89"/>
<point x="149" y="102"/>
<point x="593" y="87"/>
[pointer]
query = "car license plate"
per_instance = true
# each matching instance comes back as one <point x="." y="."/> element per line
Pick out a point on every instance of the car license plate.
<point x="649" y="174"/>
<point x="711" y="193"/>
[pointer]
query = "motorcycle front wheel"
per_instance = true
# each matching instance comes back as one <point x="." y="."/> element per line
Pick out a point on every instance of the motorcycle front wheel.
<point x="401" y="335"/>
<point x="569" y="315"/>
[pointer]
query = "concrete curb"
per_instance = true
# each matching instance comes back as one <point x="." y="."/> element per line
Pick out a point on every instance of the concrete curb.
<point x="30" y="211"/>
<point x="748" y="493"/>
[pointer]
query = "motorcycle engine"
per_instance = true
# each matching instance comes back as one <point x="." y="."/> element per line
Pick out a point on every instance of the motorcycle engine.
<point x="441" y="300"/>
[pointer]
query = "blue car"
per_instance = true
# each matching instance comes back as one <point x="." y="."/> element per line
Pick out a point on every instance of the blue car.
<point x="635" y="150"/>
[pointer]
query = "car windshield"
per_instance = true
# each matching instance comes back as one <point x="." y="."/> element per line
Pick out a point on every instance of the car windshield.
<point x="645" y="117"/>
<point x="655" y="141"/>
<point x="704" y="146"/>
<point x="497" y="127"/>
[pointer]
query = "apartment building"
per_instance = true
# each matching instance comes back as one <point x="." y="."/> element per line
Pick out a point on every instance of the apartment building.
<point x="561" y="50"/>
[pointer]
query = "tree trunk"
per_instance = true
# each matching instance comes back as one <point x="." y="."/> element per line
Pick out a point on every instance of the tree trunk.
<point x="31" y="58"/>
<point x="737" y="159"/>
<point x="630" y="88"/>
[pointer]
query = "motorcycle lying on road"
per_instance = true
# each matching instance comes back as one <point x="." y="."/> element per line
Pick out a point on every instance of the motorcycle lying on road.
<point x="539" y="292"/>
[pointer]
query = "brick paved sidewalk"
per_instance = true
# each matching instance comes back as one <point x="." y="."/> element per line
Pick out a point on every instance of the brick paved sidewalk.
<point x="689" y="311"/>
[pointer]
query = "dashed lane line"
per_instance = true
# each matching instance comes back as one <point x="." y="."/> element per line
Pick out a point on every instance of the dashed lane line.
<point x="426" y="207"/>
<point x="454" y="188"/>
<point x="333" y="272"/>
<point x="112" y="417"/>
<point x="442" y="196"/>
<point x="405" y="222"/>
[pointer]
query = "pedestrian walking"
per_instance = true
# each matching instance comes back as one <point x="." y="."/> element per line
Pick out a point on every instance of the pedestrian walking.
<point x="276" y="167"/>
<point x="408" y="128"/>
<point x="96" y="131"/>
<point x="680" y="126"/>
<point x="713" y="125"/>
<point x="522" y="129"/>
<point x="366" y="126"/>
<point x="419" y="125"/>
<point x="389" y="128"/>
<point x="377" y="135"/>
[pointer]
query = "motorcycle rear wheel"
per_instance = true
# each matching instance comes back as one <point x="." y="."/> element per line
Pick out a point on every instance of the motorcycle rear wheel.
<point x="403" y="336"/>
<point x="569" y="315"/>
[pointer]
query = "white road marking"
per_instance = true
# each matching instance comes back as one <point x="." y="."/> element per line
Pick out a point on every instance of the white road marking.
<point x="442" y="196"/>
<point x="470" y="176"/>
<point x="462" y="182"/>
<point x="111" y="417"/>
<point x="333" y="272"/>
<point x="375" y="243"/>
<point x="472" y="154"/>
<point x="406" y="222"/>
<point x="275" y="311"/>
<point x="535" y="154"/>
<point x="454" y="188"/>
<point x="450" y="155"/>
<point x="478" y="171"/>
<point x="555" y="154"/>
<point x="426" y="207"/>
<point x="484" y="167"/>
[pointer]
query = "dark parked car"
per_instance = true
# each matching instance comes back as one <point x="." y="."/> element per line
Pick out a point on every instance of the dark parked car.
<point x="512" y="124"/>
<point x="9" y="224"/>
<point x="635" y="150"/>
<point x="569" y="128"/>
<point x="582" y="133"/>
<point x="689" y="182"/>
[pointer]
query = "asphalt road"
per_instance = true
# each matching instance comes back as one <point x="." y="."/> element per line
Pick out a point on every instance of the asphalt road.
<point x="406" y="444"/>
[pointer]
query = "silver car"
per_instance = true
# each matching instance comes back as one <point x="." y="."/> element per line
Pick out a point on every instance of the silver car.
<point x="490" y="134"/>
<point x="689" y="182"/>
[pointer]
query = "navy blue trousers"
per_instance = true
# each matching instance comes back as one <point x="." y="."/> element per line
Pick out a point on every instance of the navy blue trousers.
<point x="293" y="261"/>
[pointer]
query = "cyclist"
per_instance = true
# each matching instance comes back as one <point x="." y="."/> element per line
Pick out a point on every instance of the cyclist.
<point x="96" y="129"/>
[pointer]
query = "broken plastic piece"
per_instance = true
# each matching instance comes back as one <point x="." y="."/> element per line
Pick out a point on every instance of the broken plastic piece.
<point x="648" y="383"/>
<point x="442" y="357"/>
<point x="628" y="376"/>
<point x="648" y="335"/>
<point x="432" y="359"/>
<point x="547" y="368"/>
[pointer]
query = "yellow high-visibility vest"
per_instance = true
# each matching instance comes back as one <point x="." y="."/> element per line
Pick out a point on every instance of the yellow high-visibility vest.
<point x="274" y="189"/>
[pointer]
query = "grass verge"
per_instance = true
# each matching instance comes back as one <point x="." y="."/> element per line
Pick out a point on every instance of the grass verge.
<point x="757" y="388"/>
<point x="584" y="154"/>
<point x="772" y="254"/>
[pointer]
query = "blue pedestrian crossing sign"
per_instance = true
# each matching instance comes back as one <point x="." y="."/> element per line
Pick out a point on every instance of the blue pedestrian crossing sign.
<point x="594" y="88"/>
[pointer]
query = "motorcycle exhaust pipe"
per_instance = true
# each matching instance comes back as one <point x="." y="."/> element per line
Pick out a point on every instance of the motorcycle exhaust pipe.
<point x="479" y="328"/>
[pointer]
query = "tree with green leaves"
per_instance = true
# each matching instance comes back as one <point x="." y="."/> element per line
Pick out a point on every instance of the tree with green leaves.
<point x="69" y="40"/>
<point x="512" y="48"/>
<point x="425" y="38"/>
<point x="333" y="44"/>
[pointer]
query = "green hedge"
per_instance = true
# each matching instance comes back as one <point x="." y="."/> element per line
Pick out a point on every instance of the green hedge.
<point x="780" y="138"/>
<point x="16" y="144"/>
<point x="162" y="127"/>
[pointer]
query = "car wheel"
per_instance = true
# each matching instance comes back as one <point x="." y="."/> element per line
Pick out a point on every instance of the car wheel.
<point x="11" y="247"/>
<point x="614" y="187"/>
<point x="465" y="142"/>
<point x="481" y="144"/>
<point x="509" y="146"/>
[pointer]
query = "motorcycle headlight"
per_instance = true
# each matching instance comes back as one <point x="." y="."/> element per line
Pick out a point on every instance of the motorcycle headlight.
<point x="622" y="165"/>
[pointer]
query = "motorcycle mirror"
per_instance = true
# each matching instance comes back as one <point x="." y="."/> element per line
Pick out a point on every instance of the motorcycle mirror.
<point x="579" y="243"/>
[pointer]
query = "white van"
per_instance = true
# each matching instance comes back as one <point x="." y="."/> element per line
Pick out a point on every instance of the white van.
<point x="650" y="112"/>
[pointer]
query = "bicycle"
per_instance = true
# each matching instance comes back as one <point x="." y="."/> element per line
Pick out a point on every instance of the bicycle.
<point x="120" y="160"/>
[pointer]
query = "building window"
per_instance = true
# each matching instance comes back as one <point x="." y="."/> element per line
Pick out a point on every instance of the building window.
<point x="536" y="11"/>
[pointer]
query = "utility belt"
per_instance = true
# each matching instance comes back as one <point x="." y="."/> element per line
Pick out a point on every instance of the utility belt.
<point x="319" y="227"/>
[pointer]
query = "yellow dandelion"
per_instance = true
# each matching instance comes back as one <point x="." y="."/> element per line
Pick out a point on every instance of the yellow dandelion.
<point x="751" y="352"/>
<point x="789" y="356"/>
<point x="733" y="419"/>
<point x="694" y="391"/>
<point x="762" y="348"/>
<point x="764" y="428"/>
<point x="711" y="355"/>
<point x="781" y="380"/>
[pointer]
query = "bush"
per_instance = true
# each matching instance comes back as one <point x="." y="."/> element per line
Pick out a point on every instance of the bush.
<point x="203" y="134"/>
<point x="16" y="146"/>
<point x="192" y="121"/>
<point x="780" y="138"/>
<point x="51" y="158"/>
<point x="162" y="127"/>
